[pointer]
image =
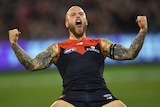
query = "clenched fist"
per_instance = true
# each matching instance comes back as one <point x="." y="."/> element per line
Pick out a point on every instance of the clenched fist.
<point x="142" y="22"/>
<point x="13" y="35"/>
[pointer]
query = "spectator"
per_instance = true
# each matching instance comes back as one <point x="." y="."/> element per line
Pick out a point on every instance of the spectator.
<point x="42" y="19"/>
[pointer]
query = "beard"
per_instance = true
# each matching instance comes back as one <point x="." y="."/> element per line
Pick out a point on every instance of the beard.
<point x="78" y="32"/>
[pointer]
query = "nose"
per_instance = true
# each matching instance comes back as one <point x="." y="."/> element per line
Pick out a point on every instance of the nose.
<point x="78" y="16"/>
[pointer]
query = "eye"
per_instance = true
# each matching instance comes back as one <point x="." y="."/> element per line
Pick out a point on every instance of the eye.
<point x="81" y="13"/>
<point x="72" y="14"/>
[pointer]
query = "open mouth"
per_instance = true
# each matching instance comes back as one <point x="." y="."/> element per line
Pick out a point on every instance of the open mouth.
<point x="78" y="22"/>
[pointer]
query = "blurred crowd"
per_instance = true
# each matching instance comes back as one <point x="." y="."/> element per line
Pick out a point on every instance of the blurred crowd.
<point x="40" y="19"/>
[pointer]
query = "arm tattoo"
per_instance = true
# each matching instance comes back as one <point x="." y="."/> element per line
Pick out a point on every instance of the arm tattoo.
<point x="41" y="61"/>
<point x="122" y="53"/>
<point x="106" y="47"/>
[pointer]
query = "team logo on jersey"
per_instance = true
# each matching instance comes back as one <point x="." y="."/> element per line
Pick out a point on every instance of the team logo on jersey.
<point x="70" y="50"/>
<point x="108" y="96"/>
<point x="92" y="48"/>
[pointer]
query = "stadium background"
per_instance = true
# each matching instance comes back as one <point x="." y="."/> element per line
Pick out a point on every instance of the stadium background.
<point x="41" y="22"/>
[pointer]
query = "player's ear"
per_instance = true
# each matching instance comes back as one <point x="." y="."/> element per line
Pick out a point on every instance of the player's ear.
<point x="66" y="24"/>
<point x="86" y="22"/>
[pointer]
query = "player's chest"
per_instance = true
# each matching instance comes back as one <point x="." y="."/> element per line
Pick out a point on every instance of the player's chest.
<point x="81" y="48"/>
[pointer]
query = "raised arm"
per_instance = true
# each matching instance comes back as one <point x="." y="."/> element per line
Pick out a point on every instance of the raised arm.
<point x="119" y="52"/>
<point x="41" y="61"/>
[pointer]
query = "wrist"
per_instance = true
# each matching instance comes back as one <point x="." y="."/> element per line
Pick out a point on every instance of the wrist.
<point x="12" y="41"/>
<point x="13" y="44"/>
<point x="143" y="30"/>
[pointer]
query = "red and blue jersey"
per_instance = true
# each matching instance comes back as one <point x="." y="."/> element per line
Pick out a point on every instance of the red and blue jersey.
<point x="81" y="64"/>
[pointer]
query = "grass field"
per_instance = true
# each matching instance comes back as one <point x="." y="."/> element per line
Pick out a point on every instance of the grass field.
<point x="135" y="85"/>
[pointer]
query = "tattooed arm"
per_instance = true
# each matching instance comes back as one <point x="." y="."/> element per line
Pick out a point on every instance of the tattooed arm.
<point x="41" y="61"/>
<point x="119" y="52"/>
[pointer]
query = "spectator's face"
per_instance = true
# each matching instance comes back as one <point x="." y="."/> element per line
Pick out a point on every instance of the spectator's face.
<point x="76" y="21"/>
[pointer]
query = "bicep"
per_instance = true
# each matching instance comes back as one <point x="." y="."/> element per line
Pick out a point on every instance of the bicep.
<point x="45" y="58"/>
<point x="115" y="51"/>
<point x="121" y="53"/>
<point x="106" y="44"/>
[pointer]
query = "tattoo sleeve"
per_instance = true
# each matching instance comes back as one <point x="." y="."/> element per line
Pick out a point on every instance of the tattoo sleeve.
<point x="122" y="53"/>
<point x="41" y="61"/>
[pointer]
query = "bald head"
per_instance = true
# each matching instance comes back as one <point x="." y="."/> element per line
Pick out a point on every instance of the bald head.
<point x="76" y="21"/>
<point x="73" y="9"/>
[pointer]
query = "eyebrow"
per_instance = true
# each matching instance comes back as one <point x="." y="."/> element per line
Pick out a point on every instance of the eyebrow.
<point x="75" y="12"/>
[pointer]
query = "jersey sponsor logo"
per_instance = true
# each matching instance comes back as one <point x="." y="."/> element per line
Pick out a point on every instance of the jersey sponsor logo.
<point x="108" y="96"/>
<point x="70" y="50"/>
<point x="92" y="48"/>
<point x="79" y="43"/>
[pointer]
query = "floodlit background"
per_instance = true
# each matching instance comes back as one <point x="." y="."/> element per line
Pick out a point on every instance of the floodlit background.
<point x="136" y="83"/>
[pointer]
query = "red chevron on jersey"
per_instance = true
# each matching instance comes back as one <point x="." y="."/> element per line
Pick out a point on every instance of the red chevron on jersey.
<point x="79" y="45"/>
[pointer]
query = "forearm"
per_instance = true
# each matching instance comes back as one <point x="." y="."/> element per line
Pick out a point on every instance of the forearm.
<point x="41" y="61"/>
<point x="119" y="52"/>
<point x="137" y="43"/>
<point x="23" y="57"/>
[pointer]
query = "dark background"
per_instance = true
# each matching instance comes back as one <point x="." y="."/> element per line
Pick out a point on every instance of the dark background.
<point x="45" y="18"/>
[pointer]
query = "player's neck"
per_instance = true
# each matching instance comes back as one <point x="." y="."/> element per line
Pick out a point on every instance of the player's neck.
<point x="73" y="37"/>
